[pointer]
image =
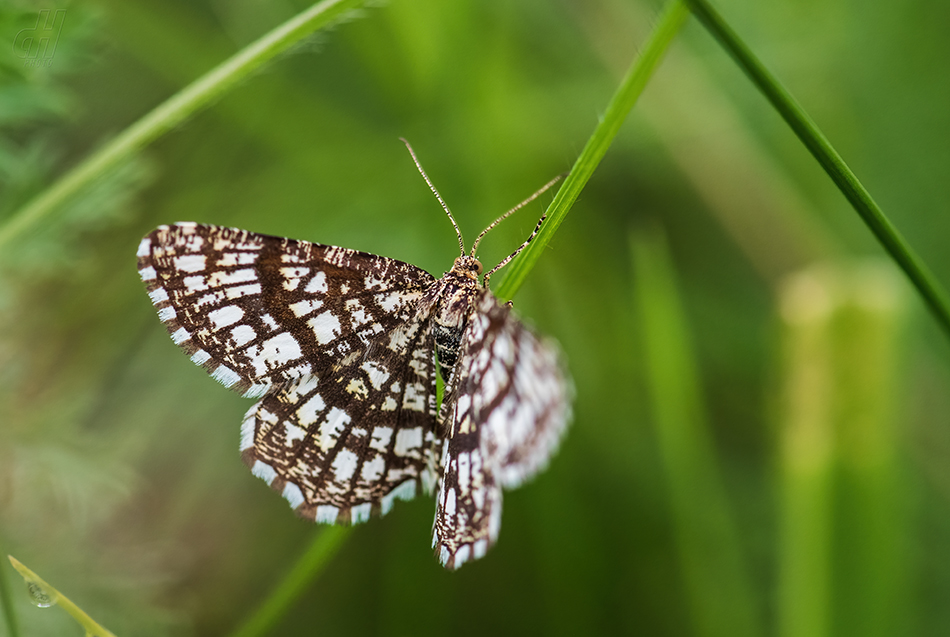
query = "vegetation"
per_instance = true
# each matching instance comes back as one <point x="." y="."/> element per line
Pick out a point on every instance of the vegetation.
<point x="760" y="434"/>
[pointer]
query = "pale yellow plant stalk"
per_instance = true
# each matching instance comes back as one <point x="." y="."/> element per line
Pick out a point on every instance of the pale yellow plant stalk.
<point x="92" y="628"/>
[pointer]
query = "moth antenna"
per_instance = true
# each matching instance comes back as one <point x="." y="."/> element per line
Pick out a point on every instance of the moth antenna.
<point x="515" y="253"/>
<point x="436" y="193"/>
<point x="513" y="210"/>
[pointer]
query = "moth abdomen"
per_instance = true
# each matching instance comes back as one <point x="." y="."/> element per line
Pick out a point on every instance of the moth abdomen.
<point x="447" y="344"/>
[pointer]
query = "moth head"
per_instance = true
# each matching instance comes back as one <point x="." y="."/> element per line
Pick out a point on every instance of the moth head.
<point x="468" y="266"/>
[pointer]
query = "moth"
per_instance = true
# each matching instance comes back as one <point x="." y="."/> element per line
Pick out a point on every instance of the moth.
<point x="342" y="349"/>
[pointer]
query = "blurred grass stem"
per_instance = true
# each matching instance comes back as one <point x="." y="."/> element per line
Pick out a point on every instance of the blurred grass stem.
<point x="620" y="105"/>
<point x="806" y="461"/>
<point x="720" y="593"/>
<point x="6" y="603"/>
<point x="170" y="113"/>
<point x="842" y="569"/>
<point x="324" y="546"/>
<point x="821" y="149"/>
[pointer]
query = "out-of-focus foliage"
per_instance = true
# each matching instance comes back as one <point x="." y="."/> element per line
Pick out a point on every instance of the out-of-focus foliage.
<point x="120" y="479"/>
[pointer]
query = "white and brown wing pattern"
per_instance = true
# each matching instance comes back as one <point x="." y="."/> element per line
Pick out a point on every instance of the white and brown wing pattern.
<point x="333" y="339"/>
<point x="344" y="446"/>
<point x="340" y="347"/>
<point x="504" y="414"/>
<point x="258" y="311"/>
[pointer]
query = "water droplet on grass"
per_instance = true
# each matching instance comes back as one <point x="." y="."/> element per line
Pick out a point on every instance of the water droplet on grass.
<point x="38" y="596"/>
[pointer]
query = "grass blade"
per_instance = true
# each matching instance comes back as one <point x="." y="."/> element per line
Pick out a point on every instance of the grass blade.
<point x="324" y="546"/>
<point x="6" y="606"/>
<point x="620" y="105"/>
<point x="173" y="111"/>
<point x="843" y="516"/>
<point x="821" y="149"/>
<point x="55" y="597"/>
<point x="806" y="440"/>
<point x="720" y="596"/>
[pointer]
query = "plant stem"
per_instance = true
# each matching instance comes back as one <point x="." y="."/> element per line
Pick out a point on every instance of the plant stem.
<point x="620" y="105"/>
<point x="719" y="594"/>
<point x="6" y="605"/>
<point x="173" y="112"/>
<point x="92" y="628"/>
<point x="307" y="567"/>
<point x="821" y="149"/>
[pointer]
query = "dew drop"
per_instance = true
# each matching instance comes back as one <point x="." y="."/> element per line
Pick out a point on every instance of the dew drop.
<point x="38" y="596"/>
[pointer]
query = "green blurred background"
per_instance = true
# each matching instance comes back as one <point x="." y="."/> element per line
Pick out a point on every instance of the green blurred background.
<point x="762" y="423"/>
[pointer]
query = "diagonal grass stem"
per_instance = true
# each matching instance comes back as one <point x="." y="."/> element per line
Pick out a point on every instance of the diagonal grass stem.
<point x="821" y="149"/>
<point x="54" y="597"/>
<point x="324" y="546"/>
<point x="620" y="105"/>
<point x="172" y="112"/>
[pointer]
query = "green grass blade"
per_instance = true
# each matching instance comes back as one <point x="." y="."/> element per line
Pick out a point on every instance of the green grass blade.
<point x="720" y="595"/>
<point x="324" y="546"/>
<point x="821" y="149"/>
<point x="620" y="105"/>
<point x="173" y="112"/>
<point x="92" y="628"/>
<point x="843" y="514"/>
<point x="6" y="606"/>
<point x="874" y="521"/>
<point x="806" y="460"/>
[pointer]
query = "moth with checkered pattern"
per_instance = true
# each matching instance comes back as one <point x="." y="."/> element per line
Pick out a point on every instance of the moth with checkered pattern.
<point x="341" y="347"/>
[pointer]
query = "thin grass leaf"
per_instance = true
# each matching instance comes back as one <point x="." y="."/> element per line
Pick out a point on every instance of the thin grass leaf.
<point x="7" y="607"/>
<point x="841" y="568"/>
<point x="871" y="575"/>
<point x="821" y="149"/>
<point x="308" y="567"/>
<point x="719" y="592"/>
<point x="620" y="105"/>
<point x="806" y="459"/>
<point x="55" y="597"/>
<point x="174" y="111"/>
